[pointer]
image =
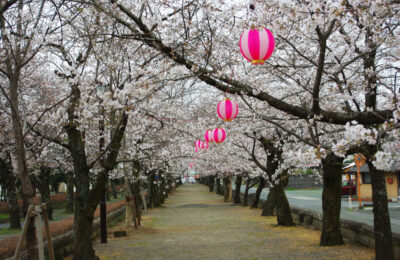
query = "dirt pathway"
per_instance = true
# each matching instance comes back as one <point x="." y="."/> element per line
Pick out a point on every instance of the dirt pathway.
<point x="196" y="224"/>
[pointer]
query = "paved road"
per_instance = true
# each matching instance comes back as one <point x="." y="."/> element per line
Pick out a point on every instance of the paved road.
<point x="196" y="224"/>
<point x="311" y="200"/>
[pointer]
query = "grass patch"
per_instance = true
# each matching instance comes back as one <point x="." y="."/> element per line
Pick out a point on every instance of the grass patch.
<point x="4" y="216"/>
<point x="61" y="205"/>
<point x="314" y="188"/>
<point x="9" y="231"/>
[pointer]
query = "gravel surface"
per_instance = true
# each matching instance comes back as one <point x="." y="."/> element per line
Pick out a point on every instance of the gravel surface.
<point x="197" y="224"/>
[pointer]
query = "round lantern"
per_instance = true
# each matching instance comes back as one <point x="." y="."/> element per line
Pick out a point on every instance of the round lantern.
<point x="208" y="136"/>
<point x="219" y="135"/>
<point x="197" y="149"/>
<point x="227" y="110"/>
<point x="204" y="145"/>
<point x="198" y="143"/>
<point x="257" y="45"/>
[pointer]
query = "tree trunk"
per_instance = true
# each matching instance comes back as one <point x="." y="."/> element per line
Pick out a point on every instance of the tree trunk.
<point x="9" y="184"/>
<point x="238" y="184"/>
<point x="283" y="212"/>
<point x="331" y="201"/>
<point x="151" y="190"/>
<point x="83" y="230"/>
<point x="42" y="183"/>
<point x="269" y="206"/>
<point x="108" y="197"/>
<point x="226" y="181"/>
<point x="211" y="182"/>
<point x="261" y="185"/>
<point x="113" y="189"/>
<point x="382" y="228"/>
<point x="246" y="192"/>
<point x="20" y="153"/>
<point x="70" y="193"/>
<point x="218" y="185"/>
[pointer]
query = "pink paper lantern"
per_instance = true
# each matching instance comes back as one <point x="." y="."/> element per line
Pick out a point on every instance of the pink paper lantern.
<point x="197" y="149"/>
<point x="204" y="145"/>
<point x="198" y="143"/>
<point x="227" y="110"/>
<point x="191" y="165"/>
<point x="219" y="135"/>
<point x="208" y="136"/>
<point x="257" y="45"/>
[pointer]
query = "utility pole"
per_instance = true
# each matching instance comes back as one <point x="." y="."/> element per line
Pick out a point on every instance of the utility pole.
<point x="103" y="206"/>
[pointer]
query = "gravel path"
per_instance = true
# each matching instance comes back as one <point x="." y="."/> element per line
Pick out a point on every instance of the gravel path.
<point x="197" y="224"/>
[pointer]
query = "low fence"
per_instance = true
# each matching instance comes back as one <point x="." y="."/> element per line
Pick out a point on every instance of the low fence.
<point x="62" y="233"/>
<point x="58" y="198"/>
<point x="304" y="182"/>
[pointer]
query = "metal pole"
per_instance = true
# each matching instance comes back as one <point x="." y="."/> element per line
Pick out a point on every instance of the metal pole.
<point x="358" y="185"/>
<point x="103" y="219"/>
<point x="103" y="206"/>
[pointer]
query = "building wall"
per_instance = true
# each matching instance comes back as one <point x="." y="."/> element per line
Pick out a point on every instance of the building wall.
<point x="366" y="191"/>
<point x="392" y="189"/>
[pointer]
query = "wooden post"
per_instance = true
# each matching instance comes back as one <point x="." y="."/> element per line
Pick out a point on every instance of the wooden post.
<point x="128" y="211"/>
<point x="39" y="232"/>
<point x="135" y="198"/>
<point x="144" y="201"/>
<point x="134" y="211"/>
<point x="22" y="237"/>
<point x="48" y="235"/>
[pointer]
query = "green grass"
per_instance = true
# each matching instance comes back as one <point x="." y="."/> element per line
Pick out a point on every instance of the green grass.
<point x="4" y="216"/>
<point x="61" y="205"/>
<point x="314" y="188"/>
<point x="9" y="231"/>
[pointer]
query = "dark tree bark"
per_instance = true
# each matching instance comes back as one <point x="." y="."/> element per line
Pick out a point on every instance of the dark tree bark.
<point x="269" y="206"/>
<point x="219" y="190"/>
<point x="42" y="183"/>
<point x="113" y="189"/>
<point x="70" y="193"/>
<point x="382" y="228"/>
<point x="7" y="176"/>
<point x="274" y="159"/>
<point x="331" y="201"/>
<point x="151" y="189"/>
<point x="238" y="184"/>
<point x="283" y="212"/>
<point x="136" y="190"/>
<point x="86" y="201"/>
<point x="20" y="152"/>
<point x="108" y="191"/>
<point x="226" y="181"/>
<point x="261" y="185"/>
<point x="246" y="192"/>
<point x="211" y="182"/>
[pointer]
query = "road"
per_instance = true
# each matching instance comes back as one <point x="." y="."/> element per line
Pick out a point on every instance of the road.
<point x="311" y="200"/>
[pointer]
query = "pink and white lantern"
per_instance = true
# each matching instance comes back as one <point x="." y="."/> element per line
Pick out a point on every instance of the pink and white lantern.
<point x="198" y="143"/>
<point x="219" y="135"/>
<point x="204" y="145"/>
<point x="257" y="45"/>
<point x="208" y="136"/>
<point x="227" y="110"/>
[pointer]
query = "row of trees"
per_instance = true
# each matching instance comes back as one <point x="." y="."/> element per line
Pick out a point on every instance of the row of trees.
<point x="96" y="86"/>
